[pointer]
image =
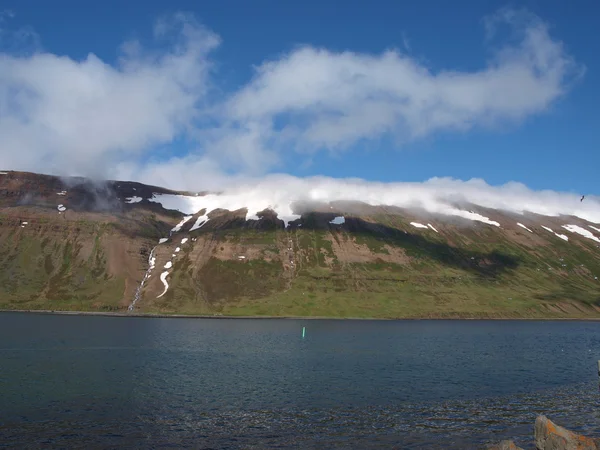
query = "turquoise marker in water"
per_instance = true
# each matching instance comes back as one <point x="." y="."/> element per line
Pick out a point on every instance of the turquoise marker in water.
<point x="303" y="332"/>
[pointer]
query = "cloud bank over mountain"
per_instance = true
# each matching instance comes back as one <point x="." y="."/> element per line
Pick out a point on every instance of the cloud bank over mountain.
<point x="88" y="117"/>
<point x="287" y="195"/>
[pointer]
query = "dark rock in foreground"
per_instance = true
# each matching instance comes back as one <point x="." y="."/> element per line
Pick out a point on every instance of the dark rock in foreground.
<point x="549" y="436"/>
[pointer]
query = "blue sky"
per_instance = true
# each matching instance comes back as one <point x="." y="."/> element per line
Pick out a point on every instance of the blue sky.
<point x="550" y="143"/>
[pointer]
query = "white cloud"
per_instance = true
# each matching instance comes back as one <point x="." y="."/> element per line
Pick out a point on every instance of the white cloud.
<point x="332" y="100"/>
<point x="444" y="196"/>
<point x="65" y="116"/>
<point x="62" y="115"/>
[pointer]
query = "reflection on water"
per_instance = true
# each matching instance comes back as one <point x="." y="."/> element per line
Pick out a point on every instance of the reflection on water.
<point x="133" y="382"/>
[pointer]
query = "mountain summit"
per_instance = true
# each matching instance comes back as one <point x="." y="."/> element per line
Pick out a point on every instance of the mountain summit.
<point x="77" y="244"/>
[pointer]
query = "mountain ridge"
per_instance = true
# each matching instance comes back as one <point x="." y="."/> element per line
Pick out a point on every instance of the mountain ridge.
<point x="101" y="252"/>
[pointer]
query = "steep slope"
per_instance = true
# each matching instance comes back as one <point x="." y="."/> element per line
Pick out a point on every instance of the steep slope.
<point x="112" y="246"/>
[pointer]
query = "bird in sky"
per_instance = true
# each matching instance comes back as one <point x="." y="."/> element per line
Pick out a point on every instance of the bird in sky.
<point x="582" y="197"/>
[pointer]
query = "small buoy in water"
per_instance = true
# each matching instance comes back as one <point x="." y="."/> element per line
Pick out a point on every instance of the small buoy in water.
<point x="303" y="332"/>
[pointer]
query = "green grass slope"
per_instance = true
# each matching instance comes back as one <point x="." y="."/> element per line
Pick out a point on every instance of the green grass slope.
<point x="393" y="274"/>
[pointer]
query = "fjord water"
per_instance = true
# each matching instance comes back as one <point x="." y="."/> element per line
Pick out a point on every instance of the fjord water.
<point x="108" y="382"/>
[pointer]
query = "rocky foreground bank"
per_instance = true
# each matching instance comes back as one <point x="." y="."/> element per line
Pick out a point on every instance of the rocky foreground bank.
<point x="549" y="436"/>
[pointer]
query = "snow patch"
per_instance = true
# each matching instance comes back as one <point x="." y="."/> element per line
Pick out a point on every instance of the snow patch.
<point x="177" y="249"/>
<point x="163" y="278"/>
<point x="336" y="221"/>
<point x="253" y="200"/>
<point x="594" y="228"/>
<point x="184" y="240"/>
<point x="163" y="240"/>
<point x="61" y="193"/>
<point x="562" y="236"/>
<point x="3" y="173"/>
<point x="201" y="220"/>
<point x="24" y="223"/>
<point x="168" y="265"/>
<point x="180" y="224"/>
<point x="581" y="231"/>
<point x="418" y="225"/>
<point x="431" y="226"/>
<point x="133" y="199"/>
<point x="523" y="226"/>
<point x="61" y="208"/>
<point x="474" y="216"/>
<point x="241" y="257"/>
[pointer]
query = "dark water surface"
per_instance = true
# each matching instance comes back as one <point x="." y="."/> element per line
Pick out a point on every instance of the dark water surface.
<point x="104" y="382"/>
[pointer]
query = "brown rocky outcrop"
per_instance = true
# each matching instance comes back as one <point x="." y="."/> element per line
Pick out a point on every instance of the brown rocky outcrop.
<point x="549" y="436"/>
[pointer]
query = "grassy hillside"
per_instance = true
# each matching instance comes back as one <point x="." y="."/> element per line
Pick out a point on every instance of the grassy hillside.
<point x="381" y="273"/>
<point x="94" y="255"/>
<point x="70" y="263"/>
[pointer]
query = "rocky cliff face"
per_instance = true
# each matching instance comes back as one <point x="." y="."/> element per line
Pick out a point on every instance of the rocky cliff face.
<point x="74" y="244"/>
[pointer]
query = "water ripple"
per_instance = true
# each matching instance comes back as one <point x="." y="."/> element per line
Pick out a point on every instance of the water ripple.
<point x="88" y="382"/>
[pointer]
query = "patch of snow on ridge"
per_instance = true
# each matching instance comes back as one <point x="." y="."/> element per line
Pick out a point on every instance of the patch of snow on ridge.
<point x="594" y="228"/>
<point x="581" y="231"/>
<point x="168" y="265"/>
<point x="418" y="225"/>
<point x="249" y="198"/>
<point x="177" y="249"/>
<point x="184" y="240"/>
<point x="3" y="173"/>
<point x="562" y="236"/>
<point x="163" y="240"/>
<point x="474" y="216"/>
<point x="201" y="220"/>
<point x="61" y="193"/>
<point x="180" y="224"/>
<point x="61" y="208"/>
<point x="163" y="278"/>
<point x="523" y="226"/>
<point x="336" y="221"/>
<point x="432" y="227"/>
<point x="133" y="199"/>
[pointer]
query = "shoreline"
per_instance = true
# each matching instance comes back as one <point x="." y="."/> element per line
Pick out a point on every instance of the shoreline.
<point x="207" y="316"/>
